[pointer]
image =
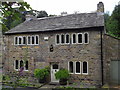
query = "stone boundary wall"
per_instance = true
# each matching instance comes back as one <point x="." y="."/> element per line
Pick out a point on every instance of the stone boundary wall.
<point x="111" y="51"/>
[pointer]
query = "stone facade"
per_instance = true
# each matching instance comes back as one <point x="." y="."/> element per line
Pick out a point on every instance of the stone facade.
<point x="111" y="48"/>
<point x="39" y="56"/>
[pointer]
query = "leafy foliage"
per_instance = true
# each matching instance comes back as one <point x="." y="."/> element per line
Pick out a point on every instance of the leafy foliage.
<point x="13" y="13"/>
<point x="62" y="74"/>
<point x="41" y="14"/>
<point x="41" y="73"/>
<point x="113" y="22"/>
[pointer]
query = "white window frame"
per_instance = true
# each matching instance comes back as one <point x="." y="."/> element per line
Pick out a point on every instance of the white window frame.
<point x="25" y="65"/>
<point x="35" y="39"/>
<point x="87" y="68"/>
<point x="26" y="40"/>
<point x="21" y="40"/>
<point x="72" y="38"/>
<point x="84" y="37"/>
<point x="75" y="67"/>
<point x="59" y="39"/>
<point x="15" y="65"/>
<point x="30" y="40"/>
<point x="65" y="38"/>
<point x="69" y="68"/>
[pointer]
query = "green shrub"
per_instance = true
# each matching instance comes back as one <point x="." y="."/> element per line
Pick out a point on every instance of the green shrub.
<point x="62" y="74"/>
<point x="41" y="73"/>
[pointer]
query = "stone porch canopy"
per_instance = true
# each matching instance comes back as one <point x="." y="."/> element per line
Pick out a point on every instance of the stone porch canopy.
<point x="67" y="22"/>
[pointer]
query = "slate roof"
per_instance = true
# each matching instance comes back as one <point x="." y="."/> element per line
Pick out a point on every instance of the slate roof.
<point x="72" y="21"/>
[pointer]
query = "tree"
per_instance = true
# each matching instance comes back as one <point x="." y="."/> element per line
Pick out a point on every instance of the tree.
<point x="13" y="13"/>
<point x="42" y="14"/>
<point x="113" y="22"/>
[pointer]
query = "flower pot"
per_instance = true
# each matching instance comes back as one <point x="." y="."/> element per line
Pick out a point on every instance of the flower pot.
<point x="42" y="80"/>
<point x="63" y="81"/>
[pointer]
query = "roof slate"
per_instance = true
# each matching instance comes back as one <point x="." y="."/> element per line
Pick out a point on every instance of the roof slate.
<point x="72" y="21"/>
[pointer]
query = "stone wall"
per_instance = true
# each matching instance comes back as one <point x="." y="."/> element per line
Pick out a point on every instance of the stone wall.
<point x="111" y="51"/>
<point x="39" y="56"/>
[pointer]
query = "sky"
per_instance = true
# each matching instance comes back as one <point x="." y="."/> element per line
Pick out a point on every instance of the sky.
<point x="71" y="6"/>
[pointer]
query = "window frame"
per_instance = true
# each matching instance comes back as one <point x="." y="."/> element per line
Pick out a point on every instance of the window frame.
<point x="21" y="40"/>
<point x="82" y="38"/>
<point x="15" y="40"/>
<point x="87" y="68"/>
<point x="66" y="38"/>
<point x="15" y="65"/>
<point x="75" y="37"/>
<point x="25" y="66"/>
<point x="69" y="67"/>
<point x="30" y="40"/>
<point x="59" y="39"/>
<point x="25" y="40"/>
<point x="87" y="37"/>
<point x="75" y="67"/>
<point x="35" y="39"/>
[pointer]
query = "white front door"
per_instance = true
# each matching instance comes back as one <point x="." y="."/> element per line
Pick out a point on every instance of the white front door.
<point x="54" y="69"/>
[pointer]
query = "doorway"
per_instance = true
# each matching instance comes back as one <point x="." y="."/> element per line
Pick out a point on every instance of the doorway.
<point x="54" y="69"/>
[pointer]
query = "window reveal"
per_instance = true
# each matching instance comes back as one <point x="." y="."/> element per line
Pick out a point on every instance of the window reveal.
<point x="85" y="67"/>
<point x="62" y="39"/>
<point x="67" y="39"/>
<point x="74" y="38"/>
<point x="86" y="38"/>
<point x="77" y="67"/>
<point x="57" y="39"/>
<point x="79" y="38"/>
<point x="71" y="67"/>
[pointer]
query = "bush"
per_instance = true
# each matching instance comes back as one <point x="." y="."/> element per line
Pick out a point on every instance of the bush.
<point x="62" y="74"/>
<point x="41" y="73"/>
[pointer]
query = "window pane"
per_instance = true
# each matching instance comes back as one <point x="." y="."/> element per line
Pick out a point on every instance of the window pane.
<point x="62" y="39"/>
<point x="57" y="39"/>
<point x="20" y="40"/>
<point x="21" y="64"/>
<point x="55" y="66"/>
<point x="86" y="37"/>
<point x="16" y="39"/>
<point x="16" y="64"/>
<point x="71" y="67"/>
<point x="74" y="38"/>
<point x="29" y="40"/>
<point x="33" y="40"/>
<point x="67" y="38"/>
<point x="26" y="65"/>
<point x="79" y="38"/>
<point x="37" y="40"/>
<point x="24" y="40"/>
<point x="85" y="67"/>
<point x="77" y="67"/>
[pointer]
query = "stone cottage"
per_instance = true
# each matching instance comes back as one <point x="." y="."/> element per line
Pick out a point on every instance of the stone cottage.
<point x="73" y="42"/>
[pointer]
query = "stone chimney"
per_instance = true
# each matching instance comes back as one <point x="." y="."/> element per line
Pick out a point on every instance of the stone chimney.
<point x="100" y="7"/>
